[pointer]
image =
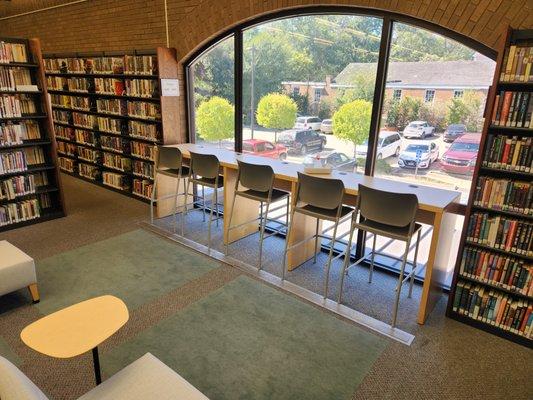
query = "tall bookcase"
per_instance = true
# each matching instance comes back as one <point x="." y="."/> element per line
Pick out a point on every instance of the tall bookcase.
<point x="492" y="288"/>
<point x="109" y="114"/>
<point x="30" y="187"/>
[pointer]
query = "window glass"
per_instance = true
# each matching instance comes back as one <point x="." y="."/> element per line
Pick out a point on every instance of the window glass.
<point x="312" y="68"/>
<point x="430" y="95"/>
<point x="212" y="82"/>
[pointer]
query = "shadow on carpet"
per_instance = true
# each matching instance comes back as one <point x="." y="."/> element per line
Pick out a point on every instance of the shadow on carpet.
<point x="250" y="341"/>
<point x="137" y="267"/>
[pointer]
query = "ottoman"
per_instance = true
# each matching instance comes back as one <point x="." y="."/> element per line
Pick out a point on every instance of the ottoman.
<point x="17" y="270"/>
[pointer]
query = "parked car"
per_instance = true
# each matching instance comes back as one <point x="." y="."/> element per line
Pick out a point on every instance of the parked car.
<point x="429" y="152"/>
<point x="327" y="126"/>
<point x="264" y="148"/>
<point x="389" y="144"/>
<point x="313" y="123"/>
<point x="461" y="157"/>
<point x="336" y="160"/>
<point x="418" y="129"/>
<point x="302" y="141"/>
<point x="454" y="131"/>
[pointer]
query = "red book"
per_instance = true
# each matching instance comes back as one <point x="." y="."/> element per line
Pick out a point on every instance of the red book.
<point x="119" y="87"/>
<point x="505" y="107"/>
<point x="506" y="150"/>
<point x="510" y="235"/>
<point x="526" y="317"/>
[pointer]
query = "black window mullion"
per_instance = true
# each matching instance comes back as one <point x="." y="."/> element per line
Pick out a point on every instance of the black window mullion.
<point x="238" y="75"/>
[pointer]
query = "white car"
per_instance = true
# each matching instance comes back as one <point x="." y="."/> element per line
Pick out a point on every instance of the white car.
<point x="418" y="129"/>
<point x="327" y="126"/>
<point x="422" y="153"/>
<point x="389" y="144"/>
<point x="313" y="123"/>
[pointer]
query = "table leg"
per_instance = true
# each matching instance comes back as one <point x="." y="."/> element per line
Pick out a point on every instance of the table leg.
<point x="96" y="362"/>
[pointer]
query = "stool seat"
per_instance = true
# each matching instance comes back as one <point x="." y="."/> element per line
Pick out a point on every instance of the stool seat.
<point x="324" y="213"/>
<point x="263" y="196"/>
<point x="394" y="232"/>
<point x="209" y="182"/>
<point x="173" y="172"/>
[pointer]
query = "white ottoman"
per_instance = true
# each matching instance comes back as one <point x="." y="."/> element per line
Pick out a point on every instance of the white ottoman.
<point x="17" y="270"/>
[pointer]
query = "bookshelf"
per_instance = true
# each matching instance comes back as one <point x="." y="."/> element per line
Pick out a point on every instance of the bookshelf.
<point x="30" y="186"/>
<point x="109" y="114"/>
<point x="492" y="287"/>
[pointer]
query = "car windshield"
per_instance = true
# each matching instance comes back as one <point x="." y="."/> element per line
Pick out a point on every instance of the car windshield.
<point x="326" y="122"/>
<point x="301" y="120"/>
<point x="290" y="135"/>
<point x="470" y="147"/>
<point x="413" y="125"/>
<point x="456" y="128"/>
<point x="247" y="147"/>
<point x="365" y="143"/>
<point x="417" y="147"/>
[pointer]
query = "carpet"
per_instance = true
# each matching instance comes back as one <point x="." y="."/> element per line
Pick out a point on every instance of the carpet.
<point x="137" y="267"/>
<point x="250" y="341"/>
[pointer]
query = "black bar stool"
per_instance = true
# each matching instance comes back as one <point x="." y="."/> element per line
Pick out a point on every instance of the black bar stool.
<point x="204" y="171"/>
<point x="386" y="214"/>
<point x="320" y="198"/>
<point x="257" y="182"/>
<point x="168" y="162"/>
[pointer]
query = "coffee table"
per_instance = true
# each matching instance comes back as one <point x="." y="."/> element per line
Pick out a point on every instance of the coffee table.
<point x="77" y="329"/>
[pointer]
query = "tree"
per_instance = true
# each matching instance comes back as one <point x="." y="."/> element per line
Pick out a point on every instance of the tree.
<point x="364" y="89"/>
<point x="352" y="122"/>
<point x="276" y="111"/>
<point x="215" y="119"/>
<point x="466" y="110"/>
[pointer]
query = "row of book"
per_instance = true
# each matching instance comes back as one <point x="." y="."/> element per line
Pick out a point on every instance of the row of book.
<point x="509" y="153"/>
<point x="143" y="169"/>
<point x="516" y="65"/>
<point x="117" y="181"/>
<point x="17" y="186"/>
<point x="117" y="162"/>
<point x="88" y="171"/>
<point x="18" y="161"/>
<point x="65" y="148"/>
<point x="504" y="194"/>
<point x="510" y="273"/>
<point x="502" y="233"/>
<point x="13" y="213"/>
<point x="513" y="109"/>
<point x="13" y="52"/>
<point x="142" y="150"/>
<point x="142" y="188"/>
<point x="110" y="86"/>
<point x="66" y="164"/>
<point x="494" y="308"/>
<point x="12" y="134"/>
<point x="16" y="106"/>
<point x="88" y="154"/>
<point x="138" y="65"/>
<point x="16" y="79"/>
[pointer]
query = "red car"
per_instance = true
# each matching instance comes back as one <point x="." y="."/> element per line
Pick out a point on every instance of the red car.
<point x="264" y="148"/>
<point x="461" y="157"/>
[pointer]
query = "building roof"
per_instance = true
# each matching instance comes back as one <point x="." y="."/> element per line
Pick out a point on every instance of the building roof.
<point x="474" y="74"/>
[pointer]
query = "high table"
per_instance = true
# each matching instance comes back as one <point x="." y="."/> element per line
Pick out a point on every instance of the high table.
<point x="434" y="209"/>
<point x="77" y="329"/>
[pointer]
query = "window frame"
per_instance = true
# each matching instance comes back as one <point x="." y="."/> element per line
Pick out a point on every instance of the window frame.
<point x="394" y="92"/>
<point x="388" y="18"/>
<point x="458" y="93"/>
<point x="431" y="92"/>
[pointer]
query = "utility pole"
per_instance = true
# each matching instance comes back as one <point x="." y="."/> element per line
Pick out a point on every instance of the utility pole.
<point x="252" y="110"/>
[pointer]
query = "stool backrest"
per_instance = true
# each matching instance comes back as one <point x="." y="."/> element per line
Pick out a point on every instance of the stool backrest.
<point x="256" y="177"/>
<point x="320" y="192"/>
<point x="205" y="165"/>
<point x="168" y="158"/>
<point x="396" y="209"/>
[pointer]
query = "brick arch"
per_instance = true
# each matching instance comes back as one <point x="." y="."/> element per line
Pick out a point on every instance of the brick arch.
<point x="484" y="22"/>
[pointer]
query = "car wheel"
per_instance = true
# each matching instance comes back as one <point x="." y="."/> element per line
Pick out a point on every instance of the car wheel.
<point x="303" y="150"/>
<point x="397" y="152"/>
<point x="283" y="156"/>
<point x="423" y="136"/>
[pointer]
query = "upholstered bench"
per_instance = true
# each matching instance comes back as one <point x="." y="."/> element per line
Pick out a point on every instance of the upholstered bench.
<point x="146" y="378"/>
<point x="17" y="270"/>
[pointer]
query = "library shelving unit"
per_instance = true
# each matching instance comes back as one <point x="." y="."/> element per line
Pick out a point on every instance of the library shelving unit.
<point x="30" y="186"/>
<point x="109" y="114"/>
<point x="492" y="287"/>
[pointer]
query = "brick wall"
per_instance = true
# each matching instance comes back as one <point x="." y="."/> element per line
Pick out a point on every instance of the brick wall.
<point x="98" y="25"/>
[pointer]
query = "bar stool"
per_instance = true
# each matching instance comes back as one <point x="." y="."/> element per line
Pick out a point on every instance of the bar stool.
<point x="257" y="182"/>
<point x="386" y="214"/>
<point x="320" y="198"/>
<point x="204" y="171"/>
<point x="168" y="162"/>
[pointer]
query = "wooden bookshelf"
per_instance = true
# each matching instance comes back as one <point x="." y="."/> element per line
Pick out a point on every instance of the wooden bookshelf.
<point x="491" y="287"/>
<point x="36" y="186"/>
<point x="76" y="79"/>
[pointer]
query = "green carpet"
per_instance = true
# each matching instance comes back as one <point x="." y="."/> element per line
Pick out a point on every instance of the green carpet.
<point x="137" y="267"/>
<point x="250" y="341"/>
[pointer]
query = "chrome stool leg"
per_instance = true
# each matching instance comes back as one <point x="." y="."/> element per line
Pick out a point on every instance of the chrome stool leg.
<point x="153" y="199"/>
<point x="229" y="223"/>
<point x="213" y="196"/>
<point x="262" y="235"/>
<point x="203" y="203"/>
<point x="346" y="260"/>
<point x="328" y="265"/>
<point x="285" y="252"/>
<point x="316" y="240"/>
<point x="414" y="264"/>
<point x="372" y="258"/>
<point x="176" y="193"/>
<point x="216" y="206"/>
<point x="185" y="207"/>
<point x="399" y="288"/>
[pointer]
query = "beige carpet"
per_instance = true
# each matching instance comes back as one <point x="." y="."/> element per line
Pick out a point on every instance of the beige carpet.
<point x="447" y="360"/>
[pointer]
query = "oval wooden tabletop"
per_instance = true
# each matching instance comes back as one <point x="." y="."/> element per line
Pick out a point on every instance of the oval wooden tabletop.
<point x="76" y="329"/>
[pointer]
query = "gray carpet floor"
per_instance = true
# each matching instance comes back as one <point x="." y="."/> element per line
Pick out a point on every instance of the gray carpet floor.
<point x="447" y="360"/>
